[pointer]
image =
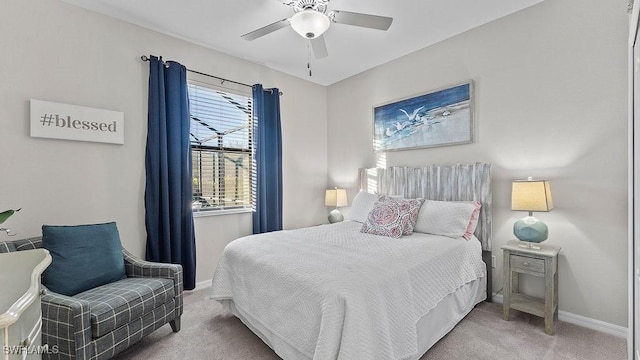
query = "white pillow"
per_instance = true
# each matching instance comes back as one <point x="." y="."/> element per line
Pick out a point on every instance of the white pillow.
<point x="361" y="205"/>
<point x="447" y="218"/>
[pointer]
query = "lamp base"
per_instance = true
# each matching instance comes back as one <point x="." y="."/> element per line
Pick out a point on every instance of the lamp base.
<point x="335" y="216"/>
<point x="530" y="230"/>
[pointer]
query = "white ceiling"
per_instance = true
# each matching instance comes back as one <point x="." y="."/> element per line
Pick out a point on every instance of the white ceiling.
<point x="218" y="24"/>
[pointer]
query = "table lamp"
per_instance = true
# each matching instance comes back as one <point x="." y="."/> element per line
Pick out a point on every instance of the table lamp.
<point x="335" y="197"/>
<point x="531" y="195"/>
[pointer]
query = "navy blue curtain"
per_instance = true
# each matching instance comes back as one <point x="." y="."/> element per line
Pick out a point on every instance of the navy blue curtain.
<point x="268" y="143"/>
<point x="168" y="192"/>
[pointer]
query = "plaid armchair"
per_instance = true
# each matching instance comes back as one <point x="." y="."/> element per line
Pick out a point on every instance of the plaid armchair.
<point x="102" y="322"/>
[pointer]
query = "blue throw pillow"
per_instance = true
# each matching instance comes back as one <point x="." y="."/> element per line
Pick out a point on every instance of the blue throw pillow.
<point x="83" y="257"/>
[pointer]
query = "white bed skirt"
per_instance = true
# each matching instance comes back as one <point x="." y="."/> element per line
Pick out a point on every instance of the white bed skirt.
<point x="453" y="308"/>
<point x="430" y="328"/>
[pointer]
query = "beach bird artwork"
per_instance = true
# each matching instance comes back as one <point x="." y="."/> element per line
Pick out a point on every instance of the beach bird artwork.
<point x="437" y="118"/>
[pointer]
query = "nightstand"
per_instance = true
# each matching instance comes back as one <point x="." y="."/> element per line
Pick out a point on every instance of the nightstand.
<point x="541" y="263"/>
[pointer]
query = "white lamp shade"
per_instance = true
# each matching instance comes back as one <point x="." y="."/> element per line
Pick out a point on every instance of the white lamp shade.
<point x="336" y="197"/>
<point x="531" y="195"/>
<point x="310" y="23"/>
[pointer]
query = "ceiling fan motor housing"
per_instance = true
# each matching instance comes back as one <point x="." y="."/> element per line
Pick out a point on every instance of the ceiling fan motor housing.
<point x="317" y="5"/>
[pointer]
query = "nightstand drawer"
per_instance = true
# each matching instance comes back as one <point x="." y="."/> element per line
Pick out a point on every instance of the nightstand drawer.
<point x="527" y="264"/>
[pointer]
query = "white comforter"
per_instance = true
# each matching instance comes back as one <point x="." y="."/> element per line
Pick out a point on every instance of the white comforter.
<point x="331" y="292"/>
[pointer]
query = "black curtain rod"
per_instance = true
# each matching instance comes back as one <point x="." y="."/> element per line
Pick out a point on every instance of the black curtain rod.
<point x="146" y="58"/>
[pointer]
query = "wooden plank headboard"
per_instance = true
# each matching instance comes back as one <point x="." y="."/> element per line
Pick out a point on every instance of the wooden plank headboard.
<point x="437" y="182"/>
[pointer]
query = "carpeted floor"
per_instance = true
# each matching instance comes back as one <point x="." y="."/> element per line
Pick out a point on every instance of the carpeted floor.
<point x="210" y="333"/>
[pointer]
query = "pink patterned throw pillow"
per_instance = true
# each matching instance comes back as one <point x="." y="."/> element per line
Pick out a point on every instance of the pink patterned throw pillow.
<point x="392" y="217"/>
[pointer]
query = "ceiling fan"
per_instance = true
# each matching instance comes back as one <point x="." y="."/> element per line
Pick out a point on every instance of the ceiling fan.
<point x="311" y="20"/>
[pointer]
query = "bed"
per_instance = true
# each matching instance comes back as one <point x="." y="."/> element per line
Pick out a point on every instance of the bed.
<point x="333" y="292"/>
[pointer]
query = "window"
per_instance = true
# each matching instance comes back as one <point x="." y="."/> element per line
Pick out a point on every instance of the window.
<point x="221" y="148"/>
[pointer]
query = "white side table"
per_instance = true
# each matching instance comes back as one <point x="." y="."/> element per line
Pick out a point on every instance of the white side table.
<point x="20" y="311"/>
<point x="541" y="263"/>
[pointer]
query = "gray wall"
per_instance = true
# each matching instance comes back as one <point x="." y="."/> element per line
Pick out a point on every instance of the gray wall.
<point x="58" y="52"/>
<point x="551" y="102"/>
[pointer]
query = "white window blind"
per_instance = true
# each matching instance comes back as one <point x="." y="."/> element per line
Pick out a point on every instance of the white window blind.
<point x="221" y="148"/>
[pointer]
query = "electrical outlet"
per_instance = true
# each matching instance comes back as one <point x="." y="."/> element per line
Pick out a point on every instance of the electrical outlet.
<point x="493" y="261"/>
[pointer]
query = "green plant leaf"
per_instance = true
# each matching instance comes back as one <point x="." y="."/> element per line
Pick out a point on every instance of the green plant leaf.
<point x="6" y="214"/>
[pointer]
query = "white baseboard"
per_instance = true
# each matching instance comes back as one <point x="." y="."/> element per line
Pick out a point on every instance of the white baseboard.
<point x="202" y="285"/>
<point x="611" y="329"/>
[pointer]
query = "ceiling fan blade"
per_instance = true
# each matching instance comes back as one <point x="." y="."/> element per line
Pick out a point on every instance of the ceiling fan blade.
<point x="363" y="20"/>
<point x="319" y="47"/>
<point x="266" y="30"/>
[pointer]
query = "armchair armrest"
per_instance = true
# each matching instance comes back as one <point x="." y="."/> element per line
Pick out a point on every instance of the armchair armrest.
<point x="66" y="324"/>
<point x="138" y="268"/>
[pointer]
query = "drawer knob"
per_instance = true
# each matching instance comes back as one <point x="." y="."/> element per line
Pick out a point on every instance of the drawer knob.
<point x="525" y="263"/>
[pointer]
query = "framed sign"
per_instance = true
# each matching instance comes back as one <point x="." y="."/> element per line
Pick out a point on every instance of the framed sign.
<point x="71" y="122"/>
<point x="437" y="118"/>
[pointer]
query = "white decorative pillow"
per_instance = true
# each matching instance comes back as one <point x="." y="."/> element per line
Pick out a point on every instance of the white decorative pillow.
<point x="392" y="217"/>
<point x="361" y="205"/>
<point x="447" y="218"/>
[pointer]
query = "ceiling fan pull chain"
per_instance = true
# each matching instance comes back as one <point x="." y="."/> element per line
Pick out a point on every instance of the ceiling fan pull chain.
<point x="309" y="57"/>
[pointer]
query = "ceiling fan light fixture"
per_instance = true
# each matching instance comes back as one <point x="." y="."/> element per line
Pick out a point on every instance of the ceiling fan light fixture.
<point x="310" y="23"/>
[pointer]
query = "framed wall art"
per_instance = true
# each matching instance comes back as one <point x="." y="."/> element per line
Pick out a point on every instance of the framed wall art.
<point x="72" y="122"/>
<point x="437" y="118"/>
